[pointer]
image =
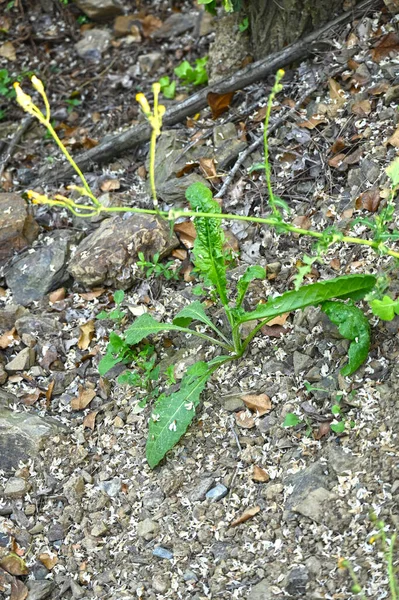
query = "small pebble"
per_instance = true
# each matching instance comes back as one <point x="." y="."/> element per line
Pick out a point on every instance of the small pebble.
<point x="162" y="553"/>
<point x="217" y="493"/>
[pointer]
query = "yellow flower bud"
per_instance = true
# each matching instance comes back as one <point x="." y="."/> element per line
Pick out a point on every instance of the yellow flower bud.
<point x="280" y="73"/>
<point x="142" y="100"/>
<point x="156" y="88"/>
<point x="161" y="110"/>
<point x="24" y="100"/>
<point x="37" y="84"/>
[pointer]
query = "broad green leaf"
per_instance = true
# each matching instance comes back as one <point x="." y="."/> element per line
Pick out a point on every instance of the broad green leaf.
<point x="338" y="427"/>
<point x="119" y="296"/>
<point x="253" y="272"/>
<point x="173" y="414"/>
<point x="354" y="326"/>
<point x="291" y="420"/>
<point x="347" y="286"/>
<point x="116" y="343"/>
<point x="386" y="308"/>
<point x="193" y="312"/>
<point x="393" y="171"/>
<point x="208" y="245"/>
<point x="107" y="362"/>
<point x="146" y="325"/>
<point x="184" y="70"/>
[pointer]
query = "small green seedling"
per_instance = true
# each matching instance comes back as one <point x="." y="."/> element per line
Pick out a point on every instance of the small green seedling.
<point x="168" y="87"/>
<point x="243" y="26"/>
<point x="117" y="314"/>
<point x="195" y="75"/>
<point x="142" y="374"/>
<point x="72" y="103"/>
<point x="156" y="268"/>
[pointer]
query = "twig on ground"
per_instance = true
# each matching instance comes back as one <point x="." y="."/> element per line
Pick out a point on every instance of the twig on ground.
<point x="20" y="132"/>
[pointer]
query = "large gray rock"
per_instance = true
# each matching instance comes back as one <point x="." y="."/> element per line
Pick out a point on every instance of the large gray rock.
<point x="100" y="10"/>
<point x="22" y="435"/>
<point x="40" y="270"/>
<point x="108" y="256"/>
<point x="18" y="228"/>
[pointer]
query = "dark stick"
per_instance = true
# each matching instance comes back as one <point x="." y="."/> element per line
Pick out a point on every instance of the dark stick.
<point x="253" y="72"/>
<point x="20" y="132"/>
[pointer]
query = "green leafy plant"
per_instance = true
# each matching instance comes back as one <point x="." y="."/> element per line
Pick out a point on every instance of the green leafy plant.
<point x="168" y="87"/>
<point x="156" y="268"/>
<point x="195" y="75"/>
<point x="228" y="5"/>
<point x="116" y="314"/>
<point x="72" y="103"/>
<point x="6" y="88"/>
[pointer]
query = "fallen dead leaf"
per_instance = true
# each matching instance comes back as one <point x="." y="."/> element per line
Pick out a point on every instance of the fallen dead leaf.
<point x="246" y="515"/>
<point x="49" y="393"/>
<point x="378" y="89"/>
<point x="187" y="168"/>
<point x="259" y="474"/>
<point x="84" y="398"/>
<point x="313" y="122"/>
<point x="244" y="420"/>
<point x="354" y="157"/>
<point x="324" y="429"/>
<point x="47" y="560"/>
<point x="387" y="45"/>
<point x="57" y="295"/>
<point x="369" y="200"/>
<point x="86" y="335"/>
<point x="274" y="331"/>
<point x="338" y="145"/>
<point x="90" y="420"/>
<point x="361" y="108"/>
<point x="95" y="293"/>
<point x="186" y="232"/>
<point x="231" y="243"/>
<point x="7" y="338"/>
<point x="142" y="172"/>
<point x="336" y="161"/>
<point x="30" y="399"/>
<point x="7" y="51"/>
<point x="394" y="139"/>
<point x="259" y="403"/>
<point x="302" y="222"/>
<point x="219" y="103"/>
<point x="14" y="565"/>
<point x="110" y="185"/>
<point x="280" y="320"/>
<point x="179" y="253"/>
<point x="335" y="264"/>
<point x="208" y="168"/>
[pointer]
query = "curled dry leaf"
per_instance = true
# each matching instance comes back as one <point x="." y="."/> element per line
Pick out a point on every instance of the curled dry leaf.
<point x="260" y="403"/>
<point x="335" y="264"/>
<point x="246" y="515"/>
<point x="7" y="338"/>
<point x="86" y="335"/>
<point x="48" y="561"/>
<point x="362" y="108"/>
<point x="90" y="420"/>
<point x="84" y="398"/>
<point x="387" y="45"/>
<point x="219" y="103"/>
<point x="338" y="145"/>
<point x="259" y="474"/>
<point x="244" y="420"/>
<point x="324" y="429"/>
<point x="369" y="200"/>
<point x="208" y="168"/>
<point x="313" y="122"/>
<point x="186" y="232"/>
<point x="57" y="295"/>
<point x="95" y="293"/>
<point x="280" y="320"/>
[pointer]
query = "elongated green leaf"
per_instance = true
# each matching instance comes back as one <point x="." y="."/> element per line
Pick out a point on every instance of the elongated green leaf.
<point x="173" y="414"/>
<point x="253" y="272"/>
<point x="354" y="326"/>
<point x="208" y="245"/>
<point x="195" y="312"/>
<point x="147" y="325"/>
<point x="347" y="286"/>
<point x="107" y="362"/>
<point x="385" y="308"/>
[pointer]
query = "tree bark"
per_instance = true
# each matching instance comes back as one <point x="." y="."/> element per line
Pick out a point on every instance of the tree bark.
<point x="275" y="24"/>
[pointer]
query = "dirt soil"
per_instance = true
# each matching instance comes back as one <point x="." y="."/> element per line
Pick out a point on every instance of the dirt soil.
<point x="242" y="507"/>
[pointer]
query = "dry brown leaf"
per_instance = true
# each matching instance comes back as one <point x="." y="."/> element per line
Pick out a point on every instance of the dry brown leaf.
<point x="231" y="243"/>
<point x="288" y="157"/>
<point x="394" y="139"/>
<point x="49" y="393"/>
<point x="336" y="91"/>
<point x="14" y="565"/>
<point x="5" y="23"/>
<point x="179" y="253"/>
<point x="110" y="185"/>
<point x="378" y="89"/>
<point x="244" y="420"/>
<point x="313" y="122"/>
<point x="208" y="167"/>
<point x="260" y="115"/>
<point x="259" y="474"/>
<point x="246" y="515"/>
<point x="48" y="561"/>
<point x="362" y="108"/>
<point x="369" y="200"/>
<point x="86" y="335"/>
<point x="336" y="161"/>
<point x="30" y="399"/>
<point x="387" y="45"/>
<point x="335" y="264"/>
<point x="150" y="25"/>
<point x="352" y="41"/>
<point x="259" y="403"/>
<point x="324" y="429"/>
<point x="338" y="145"/>
<point x="186" y="232"/>
<point x="57" y="295"/>
<point x="84" y="398"/>
<point x="90" y="420"/>
<point x="19" y="591"/>
<point x="274" y="331"/>
<point x="354" y="157"/>
<point x="95" y="293"/>
<point x="7" y="338"/>
<point x="7" y="51"/>
<point x="142" y="172"/>
<point x="302" y="222"/>
<point x="188" y="168"/>
<point x="279" y="320"/>
<point x="219" y="103"/>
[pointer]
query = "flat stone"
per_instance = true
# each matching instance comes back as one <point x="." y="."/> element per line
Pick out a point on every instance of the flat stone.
<point x="22" y="435"/>
<point x="18" y="228"/>
<point x="22" y="362"/>
<point x="126" y="25"/>
<point x="162" y="553"/>
<point x="16" y="487"/>
<point x="149" y="63"/>
<point x="198" y="492"/>
<point x="233" y="403"/>
<point x="37" y="325"/>
<point x="304" y="482"/>
<point x="74" y="489"/>
<point x="39" y="590"/>
<point x="217" y="493"/>
<point x="108" y="256"/>
<point x="93" y="44"/>
<point x="301" y="362"/>
<point x="9" y="315"/>
<point x="100" y="10"/>
<point x="175" y="25"/>
<point x="55" y="533"/>
<point x="153" y="499"/>
<point x="341" y="461"/>
<point x="261" y="591"/>
<point x="99" y="529"/>
<point x="313" y="506"/>
<point x="296" y="581"/>
<point x="147" y="529"/>
<point x="111" y="487"/>
<point x="40" y="270"/>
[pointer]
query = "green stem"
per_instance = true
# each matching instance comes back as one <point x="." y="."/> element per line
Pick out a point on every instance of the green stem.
<point x="391" y="574"/>
<point x="208" y="338"/>
<point x="276" y="88"/>
<point x="153" y="144"/>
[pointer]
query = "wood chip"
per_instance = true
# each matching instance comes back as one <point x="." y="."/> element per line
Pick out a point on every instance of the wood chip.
<point x="260" y="403"/>
<point x="259" y="474"/>
<point x="246" y="515"/>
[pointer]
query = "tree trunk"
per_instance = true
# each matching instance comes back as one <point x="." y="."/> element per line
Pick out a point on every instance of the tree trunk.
<point x="276" y="23"/>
